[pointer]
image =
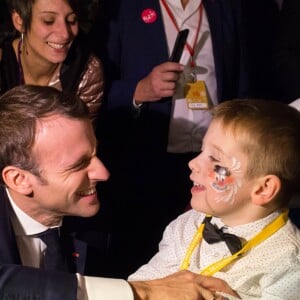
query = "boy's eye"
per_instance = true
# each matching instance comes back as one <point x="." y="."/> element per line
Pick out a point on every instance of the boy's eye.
<point x="213" y="159"/>
<point x="222" y="171"/>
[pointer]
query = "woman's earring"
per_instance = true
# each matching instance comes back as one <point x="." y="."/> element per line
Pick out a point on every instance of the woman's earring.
<point x="22" y="38"/>
<point x="22" y="46"/>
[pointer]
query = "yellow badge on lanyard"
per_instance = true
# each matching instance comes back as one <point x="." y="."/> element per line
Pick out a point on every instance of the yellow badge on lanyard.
<point x="196" y="95"/>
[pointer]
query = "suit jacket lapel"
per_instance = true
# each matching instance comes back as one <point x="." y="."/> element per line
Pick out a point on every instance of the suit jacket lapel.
<point x="75" y="252"/>
<point x="152" y="33"/>
<point x="80" y="255"/>
<point x="9" y="253"/>
<point x="75" y="249"/>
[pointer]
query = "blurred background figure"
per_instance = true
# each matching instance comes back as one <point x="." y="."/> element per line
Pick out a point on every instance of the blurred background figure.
<point x="4" y="21"/>
<point x="286" y="70"/>
<point x="286" y="59"/>
<point x="155" y="112"/>
<point x="49" y="48"/>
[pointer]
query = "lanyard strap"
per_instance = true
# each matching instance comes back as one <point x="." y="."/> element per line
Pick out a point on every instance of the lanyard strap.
<point x="190" y="48"/>
<point x="219" y="265"/>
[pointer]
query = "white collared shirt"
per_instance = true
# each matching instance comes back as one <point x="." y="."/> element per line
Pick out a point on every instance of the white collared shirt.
<point x="271" y="270"/>
<point x="187" y="127"/>
<point x="31" y="250"/>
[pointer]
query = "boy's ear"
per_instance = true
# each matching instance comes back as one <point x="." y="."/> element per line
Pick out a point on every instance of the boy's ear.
<point x="17" y="21"/>
<point x="266" y="189"/>
<point x="17" y="179"/>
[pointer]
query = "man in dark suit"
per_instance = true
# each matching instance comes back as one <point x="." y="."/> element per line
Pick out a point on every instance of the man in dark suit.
<point x="145" y="111"/>
<point x="50" y="170"/>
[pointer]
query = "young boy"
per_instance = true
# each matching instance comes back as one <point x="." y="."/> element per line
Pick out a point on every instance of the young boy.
<point x="248" y="169"/>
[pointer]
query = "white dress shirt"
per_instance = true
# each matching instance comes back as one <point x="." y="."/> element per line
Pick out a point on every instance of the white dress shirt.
<point x="31" y="251"/>
<point x="269" y="271"/>
<point x="187" y="126"/>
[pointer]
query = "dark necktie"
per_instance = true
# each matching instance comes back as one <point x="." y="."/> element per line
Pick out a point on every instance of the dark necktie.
<point x="212" y="234"/>
<point x="53" y="258"/>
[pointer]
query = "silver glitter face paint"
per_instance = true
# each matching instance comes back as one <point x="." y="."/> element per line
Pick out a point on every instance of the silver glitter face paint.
<point x="227" y="181"/>
<point x="221" y="174"/>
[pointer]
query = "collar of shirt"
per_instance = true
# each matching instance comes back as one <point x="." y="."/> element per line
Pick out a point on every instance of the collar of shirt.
<point x="22" y="223"/>
<point x="246" y="231"/>
<point x="31" y="249"/>
<point x="180" y="14"/>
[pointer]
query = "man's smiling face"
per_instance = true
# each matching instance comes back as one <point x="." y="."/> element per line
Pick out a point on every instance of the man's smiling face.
<point x="65" y="153"/>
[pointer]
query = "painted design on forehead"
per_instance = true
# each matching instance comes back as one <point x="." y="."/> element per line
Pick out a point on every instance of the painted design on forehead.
<point x="227" y="181"/>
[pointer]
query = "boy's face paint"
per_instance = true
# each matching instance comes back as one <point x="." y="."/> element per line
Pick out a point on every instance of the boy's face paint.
<point x="220" y="185"/>
<point x="226" y="180"/>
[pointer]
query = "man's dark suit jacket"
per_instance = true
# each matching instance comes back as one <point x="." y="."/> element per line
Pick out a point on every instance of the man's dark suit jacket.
<point x="19" y="282"/>
<point x="241" y="33"/>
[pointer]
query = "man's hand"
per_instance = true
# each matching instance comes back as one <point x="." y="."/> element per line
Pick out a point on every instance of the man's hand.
<point x="181" y="285"/>
<point x="217" y="285"/>
<point x="160" y="83"/>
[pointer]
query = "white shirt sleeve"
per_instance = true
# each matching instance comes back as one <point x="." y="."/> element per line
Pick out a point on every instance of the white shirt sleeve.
<point x="295" y="104"/>
<point x="135" y="105"/>
<point x="99" y="288"/>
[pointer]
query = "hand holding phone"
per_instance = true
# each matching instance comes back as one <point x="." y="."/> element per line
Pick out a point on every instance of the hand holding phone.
<point x="179" y="45"/>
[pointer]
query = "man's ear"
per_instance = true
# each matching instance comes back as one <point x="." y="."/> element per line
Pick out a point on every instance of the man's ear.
<point x="17" y="180"/>
<point x="17" y="21"/>
<point x="266" y="189"/>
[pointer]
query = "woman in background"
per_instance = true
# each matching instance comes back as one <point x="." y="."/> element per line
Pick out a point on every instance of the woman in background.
<point x="48" y="50"/>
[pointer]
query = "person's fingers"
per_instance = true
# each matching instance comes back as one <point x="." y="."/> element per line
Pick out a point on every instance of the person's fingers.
<point x="208" y="295"/>
<point x="216" y="284"/>
<point x="168" y="67"/>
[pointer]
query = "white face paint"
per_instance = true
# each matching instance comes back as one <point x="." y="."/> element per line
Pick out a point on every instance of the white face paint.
<point x="220" y="184"/>
<point x="227" y="181"/>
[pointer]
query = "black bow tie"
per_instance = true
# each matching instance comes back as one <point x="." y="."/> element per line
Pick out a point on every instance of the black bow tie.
<point x="212" y="234"/>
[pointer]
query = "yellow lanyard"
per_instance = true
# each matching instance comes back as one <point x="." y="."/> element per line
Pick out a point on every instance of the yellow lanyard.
<point x="219" y="265"/>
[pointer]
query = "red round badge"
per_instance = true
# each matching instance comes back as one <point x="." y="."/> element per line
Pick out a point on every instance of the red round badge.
<point x="149" y="15"/>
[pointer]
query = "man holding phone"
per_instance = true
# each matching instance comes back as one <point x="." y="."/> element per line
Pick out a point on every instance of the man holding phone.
<point x="157" y="110"/>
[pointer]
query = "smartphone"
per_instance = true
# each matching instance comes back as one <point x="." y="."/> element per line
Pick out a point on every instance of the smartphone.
<point x="179" y="45"/>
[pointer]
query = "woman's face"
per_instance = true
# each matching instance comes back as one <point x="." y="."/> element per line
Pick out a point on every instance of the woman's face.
<point x="54" y="26"/>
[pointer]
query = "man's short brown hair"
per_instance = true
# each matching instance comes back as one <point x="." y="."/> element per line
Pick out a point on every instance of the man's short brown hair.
<point x="20" y="110"/>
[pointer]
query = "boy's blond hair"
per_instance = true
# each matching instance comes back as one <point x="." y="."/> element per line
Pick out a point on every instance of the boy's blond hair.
<point x="268" y="132"/>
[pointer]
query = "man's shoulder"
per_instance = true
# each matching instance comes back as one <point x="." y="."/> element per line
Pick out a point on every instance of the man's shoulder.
<point x="3" y="194"/>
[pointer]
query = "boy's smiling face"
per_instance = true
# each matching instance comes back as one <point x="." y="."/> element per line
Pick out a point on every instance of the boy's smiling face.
<point x="218" y="173"/>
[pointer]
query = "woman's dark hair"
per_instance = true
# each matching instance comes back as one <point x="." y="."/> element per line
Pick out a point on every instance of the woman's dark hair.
<point x="24" y="9"/>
